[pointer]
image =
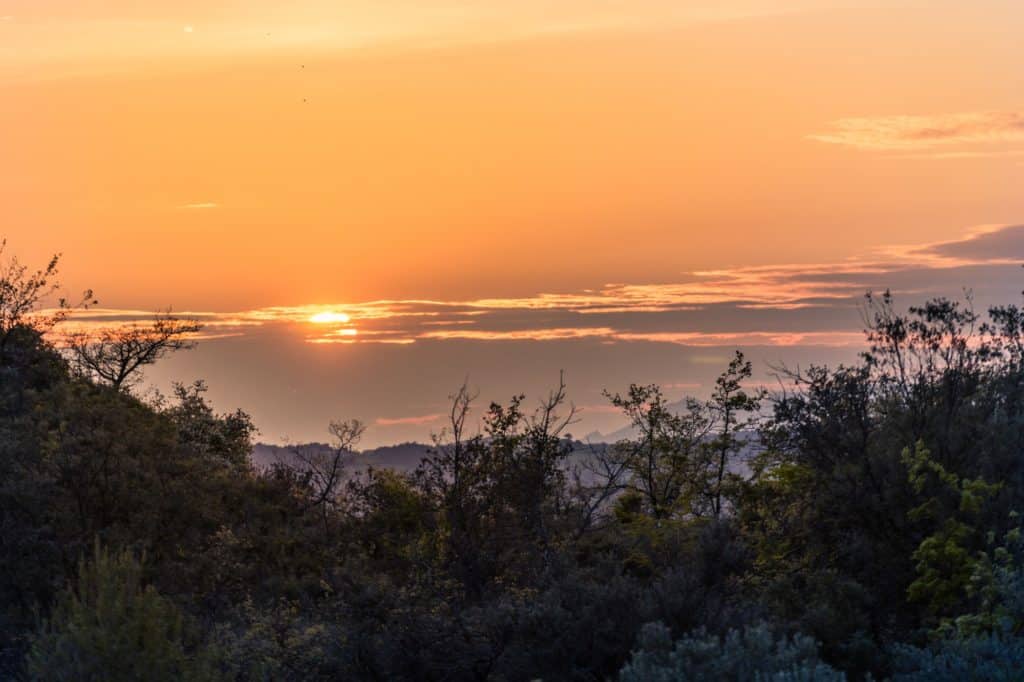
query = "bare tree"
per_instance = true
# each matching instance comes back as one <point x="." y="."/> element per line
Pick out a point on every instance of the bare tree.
<point x="549" y="446"/>
<point x="321" y="470"/>
<point x="444" y="471"/>
<point x="114" y="356"/>
<point x="595" y="481"/>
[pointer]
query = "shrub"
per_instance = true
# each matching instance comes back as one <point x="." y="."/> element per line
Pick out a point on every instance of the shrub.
<point x="991" y="658"/>
<point x="751" y="654"/>
<point x="110" y="627"/>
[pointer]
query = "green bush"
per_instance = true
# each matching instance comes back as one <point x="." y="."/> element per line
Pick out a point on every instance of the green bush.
<point x="110" y="627"/>
<point x="753" y="653"/>
<point x="984" y="659"/>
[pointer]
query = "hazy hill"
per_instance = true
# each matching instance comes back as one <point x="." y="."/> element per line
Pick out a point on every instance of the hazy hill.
<point x="405" y="457"/>
<point x="401" y="457"/>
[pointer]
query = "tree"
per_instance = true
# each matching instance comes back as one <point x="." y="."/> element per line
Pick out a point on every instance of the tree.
<point x="115" y="355"/>
<point x="22" y="292"/>
<point x="733" y="412"/>
<point x="219" y="439"/>
<point x="679" y="463"/>
<point x="388" y="517"/>
<point x="319" y="471"/>
<point x="660" y="463"/>
<point x="499" y="492"/>
<point x="944" y="560"/>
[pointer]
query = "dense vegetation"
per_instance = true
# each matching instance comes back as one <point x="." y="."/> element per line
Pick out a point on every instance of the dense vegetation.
<point x="864" y="523"/>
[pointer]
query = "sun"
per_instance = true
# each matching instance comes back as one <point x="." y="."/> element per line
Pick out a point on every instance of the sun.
<point x="329" y="317"/>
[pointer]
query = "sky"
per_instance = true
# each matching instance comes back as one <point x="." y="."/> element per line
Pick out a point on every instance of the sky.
<point x="369" y="202"/>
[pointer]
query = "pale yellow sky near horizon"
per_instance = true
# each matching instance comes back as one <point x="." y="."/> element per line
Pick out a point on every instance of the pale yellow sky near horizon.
<point x="224" y="156"/>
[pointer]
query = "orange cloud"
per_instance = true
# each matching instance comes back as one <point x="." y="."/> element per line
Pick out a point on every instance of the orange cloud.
<point x="923" y="132"/>
<point x="400" y="421"/>
<point x="522" y="334"/>
<point x="773" y="305"/>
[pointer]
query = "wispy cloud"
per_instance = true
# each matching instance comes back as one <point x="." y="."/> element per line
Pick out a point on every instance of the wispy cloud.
<point x="199" y="206"/>
<point x="991" y="154"/>
<point x="836" y="339"/>
<point x="910" y="133"/>
<point x="406" y="421"/>
<point x="798" y="304"/>
<point x="982" y="244"/>
<point x="555" y="334"/>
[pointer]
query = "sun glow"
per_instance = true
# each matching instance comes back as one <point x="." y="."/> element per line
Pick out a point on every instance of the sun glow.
<point x="329" y="317"/>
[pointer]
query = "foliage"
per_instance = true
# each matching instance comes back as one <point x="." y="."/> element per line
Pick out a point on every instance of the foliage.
<point x="682" y="464"/>
<point x="499" y="495"/>
<point x="753" y="653"/>
<point x="110" y="627"/>
<point x="989" y="658"/>
<point x="944" y="561"/>
<point x="870" y="507"/>
<point x="996" y="591"/>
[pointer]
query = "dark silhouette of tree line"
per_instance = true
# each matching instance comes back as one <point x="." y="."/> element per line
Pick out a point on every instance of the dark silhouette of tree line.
<point x="861" y="523"/>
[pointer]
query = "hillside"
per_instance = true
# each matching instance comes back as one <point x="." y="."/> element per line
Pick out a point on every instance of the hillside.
<point x="864" y="524"/>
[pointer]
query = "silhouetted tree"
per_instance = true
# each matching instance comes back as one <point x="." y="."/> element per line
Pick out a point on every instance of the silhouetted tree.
<point x="733" y="413"/>
<point x="321" y="471"/>
<point x="115" y="356"/>
<point x="680" y="462"/>
<point x="661" y="463"/>
<point x="23" y="291"/>
<point x="498" y="492"/>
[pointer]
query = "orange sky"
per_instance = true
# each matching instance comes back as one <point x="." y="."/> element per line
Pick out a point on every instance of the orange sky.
<point x="227" y="156"/>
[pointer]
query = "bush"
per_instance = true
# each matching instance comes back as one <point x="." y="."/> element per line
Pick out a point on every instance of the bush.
<point x="279" y="641"/>
<point x="990" y="658"/>
<point x="751" y="654"/>
<point x="110" y="627"/>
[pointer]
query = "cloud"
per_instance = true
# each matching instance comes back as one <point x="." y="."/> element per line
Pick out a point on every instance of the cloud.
<point x="200" y="206"/>
<point x="522" y="334"/>
<point x="785" y="305"/>
<point x="988" y="244"/>
<point x="992" y="154"/>
<point x="402" y="421"/>
<point x="911" y="133"/>
<point x="836" y="339"/>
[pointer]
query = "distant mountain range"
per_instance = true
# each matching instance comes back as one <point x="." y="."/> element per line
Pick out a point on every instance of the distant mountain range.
<point x="401" y="457"/>
<point x="405" y="457"/>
